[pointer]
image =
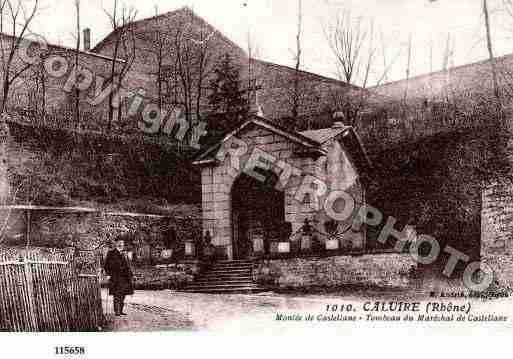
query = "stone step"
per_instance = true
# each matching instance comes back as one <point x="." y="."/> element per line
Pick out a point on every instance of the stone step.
<point x="245" y="270"/>
<point x="200" y="281"/>
<point x="222" y="285"/>
<point x="222" y="268"/>
<point x="223" y="278"/>
<point x="226" y="277"/>
<point x="231" y="266"/>
<point x="218" y="290"/>
<point x="211" y="275"/>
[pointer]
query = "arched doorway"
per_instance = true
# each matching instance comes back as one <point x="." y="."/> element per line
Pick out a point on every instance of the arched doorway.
<point x="258" y="209"/>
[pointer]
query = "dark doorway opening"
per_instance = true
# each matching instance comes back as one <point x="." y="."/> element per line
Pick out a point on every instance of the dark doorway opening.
<point x="258" y="210"/>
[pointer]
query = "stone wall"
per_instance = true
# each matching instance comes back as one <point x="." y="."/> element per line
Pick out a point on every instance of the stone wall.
<point x="184" y="24"/>
<point x="90" y="233"/>
<point x="318" y="95"/>
<point x="453" y="84"/>
<point x="148" y="277"/>
<point x="47" y="88"/>
<point x="171" y="276"/>
<point x="382" y="270"/>
<point x="497" y="229"/>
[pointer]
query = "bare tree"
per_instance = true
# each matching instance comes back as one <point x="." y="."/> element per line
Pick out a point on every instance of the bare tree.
<point x="505" y="73"/>
<point x="155" y="42"/>
<point x="431" y="55"/>
<point x="387" y="65"/>
<point x="353" y="45"/>
<point x="446" y="64"/>
<point x="347" y="38"/>
<point x="489" y="46"/>
<point x="15" y="15"/>
<point x="187" y="69"/>
<point x="76" y="107"/>
<point x="370" y="55"/>
<point x="200" y="57"/>
<point x="161" y="41"/>
<point x="297" y="76"/>
<point x="298" y="91"/>
<point x="253" y="52"/>
<point x="447" y="53"/>
<point x="182" y="53"/>
<point x="408" y="68"/>
<point x="124" y="44"/>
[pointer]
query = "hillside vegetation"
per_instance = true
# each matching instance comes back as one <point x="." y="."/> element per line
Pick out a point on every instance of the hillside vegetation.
<point x="59" y="168"/>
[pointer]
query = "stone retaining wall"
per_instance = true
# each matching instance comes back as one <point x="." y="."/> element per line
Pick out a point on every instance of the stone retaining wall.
<point x="91" y="232"/>
<point x="383" y="270"/>
<point x="496" y="227"/>
<point x="171" y="276"/>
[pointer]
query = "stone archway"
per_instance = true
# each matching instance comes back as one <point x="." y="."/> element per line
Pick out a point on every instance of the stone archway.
<point x="258" y="208"/>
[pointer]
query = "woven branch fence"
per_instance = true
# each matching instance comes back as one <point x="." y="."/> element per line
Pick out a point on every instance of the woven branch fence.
<point x="41" y="293"/>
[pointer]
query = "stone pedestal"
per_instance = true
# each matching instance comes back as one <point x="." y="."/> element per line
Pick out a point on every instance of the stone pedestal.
<point x="306" y="243"/>
<point x="332" y="244"/>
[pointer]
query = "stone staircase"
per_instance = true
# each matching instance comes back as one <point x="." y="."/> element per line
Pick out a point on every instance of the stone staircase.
<point x="226" y="277"/>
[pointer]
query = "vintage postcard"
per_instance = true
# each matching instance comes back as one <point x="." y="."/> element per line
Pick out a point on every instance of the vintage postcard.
<point x="240" y="167"/>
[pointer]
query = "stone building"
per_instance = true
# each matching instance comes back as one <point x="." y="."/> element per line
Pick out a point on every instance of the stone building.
<point x="48" y="88"/>
<point x="155" y="69"/>
<point x="261" y="177"/>
<point x="146" y="55"/>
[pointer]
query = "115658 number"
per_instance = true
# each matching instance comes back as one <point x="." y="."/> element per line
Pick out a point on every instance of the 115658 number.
<point x="69" y="350"/>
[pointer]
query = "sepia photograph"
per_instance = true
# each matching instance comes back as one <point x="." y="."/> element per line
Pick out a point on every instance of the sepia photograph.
<point x="254" y="166"/>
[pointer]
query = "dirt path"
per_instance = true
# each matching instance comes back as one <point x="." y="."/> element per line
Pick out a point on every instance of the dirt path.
<point x="169" y="310"/>
<point x="146" y="317"/>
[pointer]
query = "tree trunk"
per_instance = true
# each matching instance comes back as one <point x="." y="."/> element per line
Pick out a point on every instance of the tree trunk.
<point x="113" y="81"/>
<point x="490" y="53"/>
<point x="4" y="158"/>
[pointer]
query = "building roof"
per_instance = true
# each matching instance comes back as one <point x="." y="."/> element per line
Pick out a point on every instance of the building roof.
<point x="324" y="134"/>
<point x="65" y="48"/>
<point x="305" y="74"/>
<point x="184" y="9"/>
<point x="456" y="81"/>
<point x="311" y="140"/>
<point x="321" y="96"/>
<point x="308" y="143"/>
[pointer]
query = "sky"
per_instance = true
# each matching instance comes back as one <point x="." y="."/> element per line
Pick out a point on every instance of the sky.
<point x="272" y="24"/>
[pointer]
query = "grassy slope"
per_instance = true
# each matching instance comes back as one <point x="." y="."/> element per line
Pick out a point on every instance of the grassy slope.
<point x="56" y="168"/>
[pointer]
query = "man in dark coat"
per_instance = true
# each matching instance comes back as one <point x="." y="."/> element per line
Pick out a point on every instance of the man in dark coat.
<point x="118" y="268"/>
<point x="170" y="237"/>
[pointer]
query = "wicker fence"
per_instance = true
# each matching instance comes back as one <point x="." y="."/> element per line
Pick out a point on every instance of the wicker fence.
<point x="43" y="293"/>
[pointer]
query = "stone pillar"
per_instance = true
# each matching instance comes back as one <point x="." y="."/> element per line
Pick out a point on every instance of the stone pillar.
<point x="216" y="186"/>
<point x="207" y="200"/>
<point x="496" y="229"/>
